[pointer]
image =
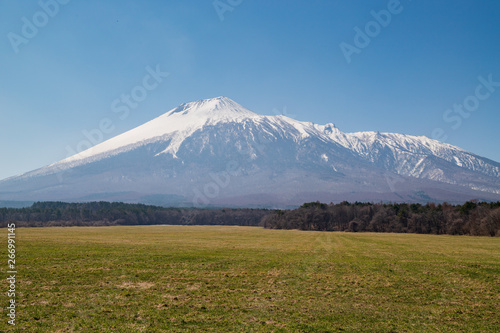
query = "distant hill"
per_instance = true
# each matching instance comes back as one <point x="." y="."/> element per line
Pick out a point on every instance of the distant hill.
<point x="15" y="204"/>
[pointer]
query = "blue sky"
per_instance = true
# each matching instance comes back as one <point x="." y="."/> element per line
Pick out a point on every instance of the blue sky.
<point x="270" y="56"/>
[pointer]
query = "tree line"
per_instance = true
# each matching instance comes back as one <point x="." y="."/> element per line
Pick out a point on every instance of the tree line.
<point x="472" y="218"/>
<point x="42" y="214"/>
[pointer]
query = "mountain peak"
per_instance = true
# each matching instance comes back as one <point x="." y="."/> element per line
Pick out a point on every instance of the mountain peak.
<point x="176" y="124"/>
<point x="222" y="106"/>
<point x="215" y="103"/>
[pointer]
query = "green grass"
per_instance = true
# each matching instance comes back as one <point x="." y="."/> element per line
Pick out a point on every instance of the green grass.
<point x="242" y="279"/>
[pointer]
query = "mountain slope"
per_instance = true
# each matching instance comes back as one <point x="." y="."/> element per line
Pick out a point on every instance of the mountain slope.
<point x="216" y="152"/>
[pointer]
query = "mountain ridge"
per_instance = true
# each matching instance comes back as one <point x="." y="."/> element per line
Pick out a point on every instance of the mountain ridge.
<point x="178" y="152"/>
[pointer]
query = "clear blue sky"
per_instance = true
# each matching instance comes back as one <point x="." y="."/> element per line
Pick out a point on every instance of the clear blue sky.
<point x="269" y="56"/>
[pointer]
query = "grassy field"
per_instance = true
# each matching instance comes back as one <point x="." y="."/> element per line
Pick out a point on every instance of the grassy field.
<point x="242" y="279"/>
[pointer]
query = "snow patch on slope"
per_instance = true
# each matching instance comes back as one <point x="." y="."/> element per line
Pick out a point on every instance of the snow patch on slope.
<point x="177" y="124"/>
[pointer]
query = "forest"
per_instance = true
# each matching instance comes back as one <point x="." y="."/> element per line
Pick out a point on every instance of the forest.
<point x="42" y="214"/>
<point x="472" y="218"/>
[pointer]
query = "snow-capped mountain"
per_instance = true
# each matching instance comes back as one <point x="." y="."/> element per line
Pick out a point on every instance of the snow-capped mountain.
<point x="216" y="152"/>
